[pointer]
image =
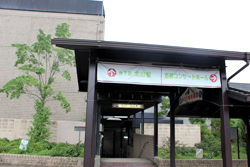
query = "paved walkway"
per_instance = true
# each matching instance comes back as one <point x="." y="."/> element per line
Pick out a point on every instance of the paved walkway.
<point x="126" y="162"/>
<point x="12" y="166"/>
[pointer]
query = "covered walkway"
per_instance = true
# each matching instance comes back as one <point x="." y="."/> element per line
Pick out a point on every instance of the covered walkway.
<point x="117" y="75"/>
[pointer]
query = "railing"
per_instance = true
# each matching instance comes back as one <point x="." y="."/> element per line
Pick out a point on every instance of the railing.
<point x="144" y="145"/>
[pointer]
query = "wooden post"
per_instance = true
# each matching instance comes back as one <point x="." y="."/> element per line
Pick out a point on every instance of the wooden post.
<point x="155" y="129"/>
<point x="225" y="121"/>
<point x="172" y="131"/>
<point x="98" y="129"/>
<point x="246" y="120"/>
<point x="142" y="122"/>
<point x="89" y="150"/>
<point x="134" y="122"/>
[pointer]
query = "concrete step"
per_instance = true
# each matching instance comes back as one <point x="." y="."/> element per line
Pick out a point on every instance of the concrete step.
<point x="126" y="162"/>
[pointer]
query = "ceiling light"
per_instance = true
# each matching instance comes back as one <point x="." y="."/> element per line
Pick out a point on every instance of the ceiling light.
<point x="114" y="119"/>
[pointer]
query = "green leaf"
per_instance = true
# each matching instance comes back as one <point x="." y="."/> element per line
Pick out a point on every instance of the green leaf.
<point x="165" y="107"/>
<point x="44" y="43"/>
<point x="66" y="75"/>
<point x="64" y="103"/>
<point x="62" y="31"/>
<point x="15" y="87"/>
<point x="21" y="53"/>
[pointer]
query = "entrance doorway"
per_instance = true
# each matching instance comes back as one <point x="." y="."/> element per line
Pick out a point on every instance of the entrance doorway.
<point x="117" y="135"/>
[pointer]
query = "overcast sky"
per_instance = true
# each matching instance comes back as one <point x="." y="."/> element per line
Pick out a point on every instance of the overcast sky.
<point x="211" y="24"/>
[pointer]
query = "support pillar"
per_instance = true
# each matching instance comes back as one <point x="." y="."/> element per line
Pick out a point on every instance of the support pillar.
<point x="155" y="129"/>
<point x="134" y="122"/>
<point x="89" y="150"/>
<point x="121" y="139"/>
<point x="142" y="122"/>
<point x="225" y="121"/>
<point x="172" y="132"/>
<point x="128" y="128"/>
<point x="98" y="120"/>
<point x="114" y="143"/>
<point x="246" y="120"/>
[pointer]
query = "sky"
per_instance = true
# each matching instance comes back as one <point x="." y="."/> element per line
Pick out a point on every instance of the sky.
<point x="210" y="24"/>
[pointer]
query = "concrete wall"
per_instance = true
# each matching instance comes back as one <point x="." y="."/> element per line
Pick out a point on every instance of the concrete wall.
<point x="198" y="163"/>
<point x="186" y="133"/>
<point x="139" y="142"/>
<point x="17" y="26"/>
<point x="63" y="131"/>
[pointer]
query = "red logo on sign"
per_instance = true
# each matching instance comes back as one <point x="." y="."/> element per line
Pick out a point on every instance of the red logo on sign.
<point x="213" y="77"/>
<point x="111" y="72"/>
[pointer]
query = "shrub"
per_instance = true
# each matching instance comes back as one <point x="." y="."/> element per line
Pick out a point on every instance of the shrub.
<point x="180" y="149"/>
<point x="42" y="148"/>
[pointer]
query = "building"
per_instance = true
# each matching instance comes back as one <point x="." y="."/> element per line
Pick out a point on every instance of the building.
<point x="20" y="22"/>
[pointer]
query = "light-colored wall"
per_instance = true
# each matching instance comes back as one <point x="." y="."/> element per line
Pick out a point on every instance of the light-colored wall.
<point x="14" y="128"/>
<point x="139" y="141"/>
<point x="17" y="26"/>
<point x="186" y="133"/>
<point x="63" y="131"/>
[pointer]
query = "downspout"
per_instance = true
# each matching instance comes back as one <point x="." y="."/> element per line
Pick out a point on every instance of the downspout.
<point x="242" y="68"/>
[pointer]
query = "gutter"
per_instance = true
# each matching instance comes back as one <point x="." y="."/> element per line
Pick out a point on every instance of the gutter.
<point x="242" y="68"/>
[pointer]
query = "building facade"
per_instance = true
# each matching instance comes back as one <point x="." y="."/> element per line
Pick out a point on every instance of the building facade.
<point x="20" y="22"/>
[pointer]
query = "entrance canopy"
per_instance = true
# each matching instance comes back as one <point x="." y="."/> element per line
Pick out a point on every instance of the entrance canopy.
<point x="194" y="79"/>
<point x="145" y="55"/>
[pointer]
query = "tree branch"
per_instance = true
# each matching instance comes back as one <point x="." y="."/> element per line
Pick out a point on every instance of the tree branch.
<point x="30" y="93"/>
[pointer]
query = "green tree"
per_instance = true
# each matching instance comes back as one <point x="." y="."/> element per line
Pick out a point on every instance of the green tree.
<point x="241" y="131"/>
<point x="40" y="62"/>
<point x="209" y="143"/>
<point x="165" y="107"/>
<point x="216" y="128"/>
<point x="197" y="120"/>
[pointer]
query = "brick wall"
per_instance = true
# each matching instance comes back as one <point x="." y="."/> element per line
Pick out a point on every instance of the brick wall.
<point x="22" y="27"/>
<point x="197" y="163"/>
<point x="42" y="161"/>
<point x="186" y="133"/>
<point x="33" y="160"/>
<point x="139" y="141"/>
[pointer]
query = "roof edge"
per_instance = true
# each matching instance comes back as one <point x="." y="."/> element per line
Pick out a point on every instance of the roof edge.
<point x="228" y="55"/>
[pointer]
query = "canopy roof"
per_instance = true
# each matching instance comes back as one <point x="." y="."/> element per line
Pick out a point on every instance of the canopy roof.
<point x="147" y="54"/>
<point x="209" y="107"/>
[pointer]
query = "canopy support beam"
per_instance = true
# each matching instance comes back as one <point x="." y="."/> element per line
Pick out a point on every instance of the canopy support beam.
<point x="225" y="121"/>
<point x="142" y="122"/>
<point x="172" y="131"/>
<point x="155" y="129"/>
<point x="90" y="144"/>
<point x="98" y="129"/>
<point x="246" y="120"/>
